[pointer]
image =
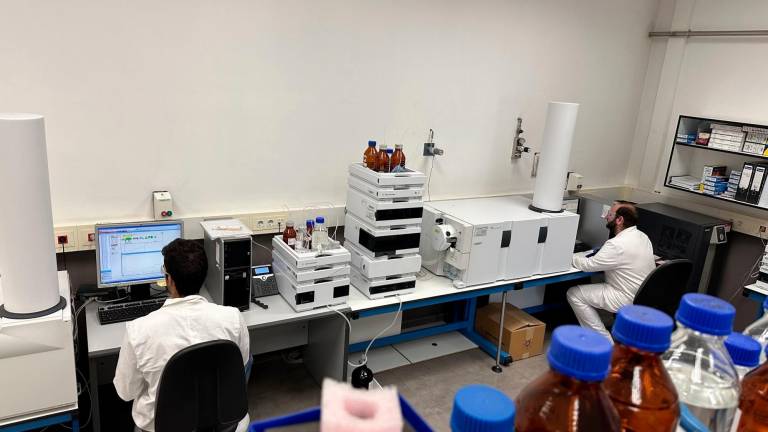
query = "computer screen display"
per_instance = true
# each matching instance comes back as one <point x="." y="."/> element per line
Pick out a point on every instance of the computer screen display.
<point x="129" y="254"/>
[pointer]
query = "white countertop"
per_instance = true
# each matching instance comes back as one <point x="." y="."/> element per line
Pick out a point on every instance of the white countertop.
<point x="106" y="339"/>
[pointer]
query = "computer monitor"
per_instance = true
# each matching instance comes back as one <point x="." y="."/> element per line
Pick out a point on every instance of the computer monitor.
<point x="131" y="253"/>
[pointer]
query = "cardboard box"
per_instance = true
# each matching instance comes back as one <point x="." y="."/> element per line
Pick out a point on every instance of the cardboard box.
<point x="523" y="335"/>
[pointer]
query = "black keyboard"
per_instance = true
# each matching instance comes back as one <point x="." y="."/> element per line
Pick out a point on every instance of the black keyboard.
<point x="128" y="311"/>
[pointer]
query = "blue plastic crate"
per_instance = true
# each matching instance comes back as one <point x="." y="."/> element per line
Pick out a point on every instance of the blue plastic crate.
<point x="411" y="417"/>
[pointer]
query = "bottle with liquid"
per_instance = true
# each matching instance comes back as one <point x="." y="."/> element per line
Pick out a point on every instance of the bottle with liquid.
<point x="398" y="159"/>
<point x="759" y="330"/>
<point x="382" y="159"/>
<point x="319" y="234"/>
<point x="744" y="351"/>
<point x="369" y="156"/>
<point x="300" y="238"/>
<point x="638" y="384"/>
<point x="479" y="407"/>
<point x="390" y="152"/>
<point x="289" y="235"/>
<point x="570" y="396"/>
<point x="308" y="234"/>
<point x="699" y="364"/>
<point x="753" y="404"/>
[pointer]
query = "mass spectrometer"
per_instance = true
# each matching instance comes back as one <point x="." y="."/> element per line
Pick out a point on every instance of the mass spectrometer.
<point x="483" y="240"/>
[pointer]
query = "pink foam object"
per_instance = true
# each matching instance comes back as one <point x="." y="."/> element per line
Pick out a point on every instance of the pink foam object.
<point x="345" y="409"/>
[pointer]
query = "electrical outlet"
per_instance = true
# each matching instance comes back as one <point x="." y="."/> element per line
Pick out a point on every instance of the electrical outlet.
<point x="266" y="223"/>
<point x="763" y="228"/>
<point x="64" y="239"/>
<point x="86" y="237"/>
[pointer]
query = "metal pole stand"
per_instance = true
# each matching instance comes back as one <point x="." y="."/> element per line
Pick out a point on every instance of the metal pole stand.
<point x="497" y="367"/>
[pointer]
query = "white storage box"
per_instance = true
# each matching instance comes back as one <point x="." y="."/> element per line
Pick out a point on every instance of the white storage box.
<point x="384" y="286"/>
<point x="407" y="177"/>
<point x="385" y="265"/>
<point x="385" y="192"/>
<point x="384" y="212"/>
<point x="374" y="242"/>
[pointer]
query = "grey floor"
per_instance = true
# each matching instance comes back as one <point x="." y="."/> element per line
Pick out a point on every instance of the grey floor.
<point x="278" y="388"/>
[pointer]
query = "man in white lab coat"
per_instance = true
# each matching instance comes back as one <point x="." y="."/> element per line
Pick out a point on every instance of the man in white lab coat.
<point x="185" y="319"/>
<point x="626" y="259"/>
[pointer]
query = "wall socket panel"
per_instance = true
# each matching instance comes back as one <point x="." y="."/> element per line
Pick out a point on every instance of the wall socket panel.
<point x="82" y="237"/>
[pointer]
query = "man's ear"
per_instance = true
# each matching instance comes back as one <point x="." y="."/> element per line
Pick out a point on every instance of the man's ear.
<point x="619" y="221"/>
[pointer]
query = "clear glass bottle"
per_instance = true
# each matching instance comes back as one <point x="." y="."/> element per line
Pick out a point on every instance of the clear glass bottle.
<point x="389" y="159"/>
<point x="369" y="156"/>
<point x="699" y="364"/>
<point x="744" y="351"/>
<point x="301" y="234"/>
<point x="308" y="234"/>
<point x="289" y="235"/>
<point x="759" y="330"/>
<point x="570" y="396"/>
<point x="638" y="384"/>
<point x="319" y="234"/>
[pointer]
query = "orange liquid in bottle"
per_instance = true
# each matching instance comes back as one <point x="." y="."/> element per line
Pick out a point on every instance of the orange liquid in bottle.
<point x="570" y="396"/>
<point x="642" y="391"/>
<point x="753" y="402"/>
<point x="382" y="159"/>
<point x="369" y="156"/>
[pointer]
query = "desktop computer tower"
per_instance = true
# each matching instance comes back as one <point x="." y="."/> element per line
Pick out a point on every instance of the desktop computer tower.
<point x="228" y="247"/>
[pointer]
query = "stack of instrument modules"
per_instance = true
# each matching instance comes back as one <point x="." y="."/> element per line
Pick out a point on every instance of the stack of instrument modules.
<point x="309" y="279"/>
<point x="383" y="229"/>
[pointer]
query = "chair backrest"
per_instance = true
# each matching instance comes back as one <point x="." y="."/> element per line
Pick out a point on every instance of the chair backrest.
<point x="202" y="388"/>
<point x="665" y="285"/>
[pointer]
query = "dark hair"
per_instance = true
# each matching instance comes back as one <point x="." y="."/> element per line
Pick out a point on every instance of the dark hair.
<point x="187" y="264"/>
<point x="628" y="211"/>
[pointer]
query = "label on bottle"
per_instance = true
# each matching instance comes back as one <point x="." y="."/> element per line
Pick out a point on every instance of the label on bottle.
<point x="292" y="241"/>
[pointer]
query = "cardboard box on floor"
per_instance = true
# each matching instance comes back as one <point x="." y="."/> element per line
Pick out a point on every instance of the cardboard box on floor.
<point x="523" y="334"/>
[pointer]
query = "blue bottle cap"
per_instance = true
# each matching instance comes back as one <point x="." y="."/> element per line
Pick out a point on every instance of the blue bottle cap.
<point x="390" y="151"/>
<point x="481" y="408"/>
<point x="707" y="314"/>
<point x="644" y="328"/>
<point x="319" y="219"/>
<point x="580" y="353"/>
<point x="744" y="350"/>
<point x="371" y="143"/>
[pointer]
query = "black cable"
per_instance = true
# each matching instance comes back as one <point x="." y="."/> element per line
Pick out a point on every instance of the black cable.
<point x="429" y="178"/>
<point x="63" y="257"/>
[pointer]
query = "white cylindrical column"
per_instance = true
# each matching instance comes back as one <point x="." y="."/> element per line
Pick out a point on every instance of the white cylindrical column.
<point x="554" y="157"/>
<point x="27" y="257"/>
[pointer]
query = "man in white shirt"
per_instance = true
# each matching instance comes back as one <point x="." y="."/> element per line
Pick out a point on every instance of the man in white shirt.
<point x="185" y="319"/>
<point x="626" y="259"/>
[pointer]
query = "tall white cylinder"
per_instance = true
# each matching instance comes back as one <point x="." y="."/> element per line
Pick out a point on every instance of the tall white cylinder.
<point x="554" y="157"/>
<point x="27" y="257"/>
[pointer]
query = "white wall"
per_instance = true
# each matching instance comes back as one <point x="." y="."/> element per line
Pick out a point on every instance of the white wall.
<point x="709" y="77"/>
<point x="244" y="105"/>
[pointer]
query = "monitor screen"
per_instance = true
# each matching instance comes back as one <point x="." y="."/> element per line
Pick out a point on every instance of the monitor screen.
<point x="129" y="254"/>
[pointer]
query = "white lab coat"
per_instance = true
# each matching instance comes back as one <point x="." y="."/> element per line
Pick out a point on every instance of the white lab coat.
<point x="152" y="340"/>
<point x="626" y="261"/>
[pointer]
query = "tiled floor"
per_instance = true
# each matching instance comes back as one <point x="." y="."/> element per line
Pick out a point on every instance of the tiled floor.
<point x="277" y="388"/>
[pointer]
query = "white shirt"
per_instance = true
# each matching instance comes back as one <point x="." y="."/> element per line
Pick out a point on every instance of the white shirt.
<point x="625" y="259"/>
<point x="152" y="340"/>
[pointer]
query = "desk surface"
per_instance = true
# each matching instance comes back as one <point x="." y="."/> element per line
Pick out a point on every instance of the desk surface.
<point x="106" y="339"/>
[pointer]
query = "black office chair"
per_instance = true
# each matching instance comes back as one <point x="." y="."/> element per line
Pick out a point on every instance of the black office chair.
<point x="665" y="285"/>
<point x="202" y="388"/>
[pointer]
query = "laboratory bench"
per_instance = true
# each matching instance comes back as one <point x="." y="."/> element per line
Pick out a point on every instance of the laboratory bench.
<point x="323" y="332"/>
